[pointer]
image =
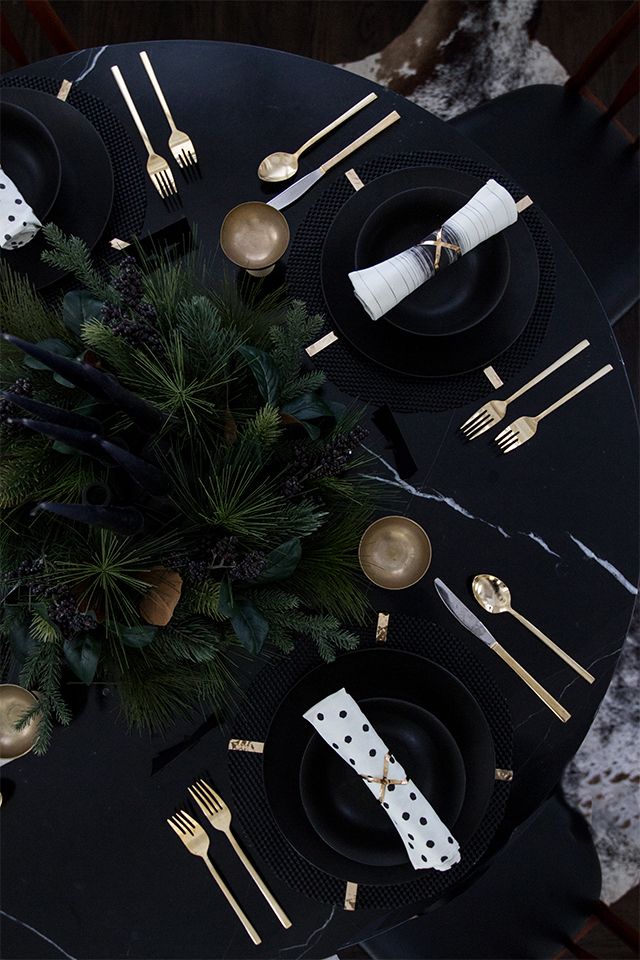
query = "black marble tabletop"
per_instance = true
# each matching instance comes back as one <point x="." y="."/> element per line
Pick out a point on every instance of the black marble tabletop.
<point x="90" y="868"/>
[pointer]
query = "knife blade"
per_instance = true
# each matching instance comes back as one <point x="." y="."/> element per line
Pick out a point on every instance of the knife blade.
<point x="286" y="197"/>
<point x="475" y="626"/>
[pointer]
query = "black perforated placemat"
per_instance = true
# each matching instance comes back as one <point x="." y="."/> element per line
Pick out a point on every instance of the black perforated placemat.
<point x="363" y="379"/>
<point x="130" y="196"/>
<point x="252" y="723"/>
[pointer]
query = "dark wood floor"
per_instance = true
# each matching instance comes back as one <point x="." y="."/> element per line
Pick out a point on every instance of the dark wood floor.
<point x="338" y="31"/>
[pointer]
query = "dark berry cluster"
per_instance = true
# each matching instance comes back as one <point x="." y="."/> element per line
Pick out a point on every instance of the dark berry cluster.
<point x="133" y="318"/>
<point x="328" y="461"/>
<point x="23" y="388"/>
<point x="212" y="551"/>
<point x="249" y="567"/>
<point x="63" y="611"/>
<point x="28" y="573"/>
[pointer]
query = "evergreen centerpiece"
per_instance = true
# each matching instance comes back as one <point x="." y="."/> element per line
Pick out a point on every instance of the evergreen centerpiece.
<point x="173" y="485"/>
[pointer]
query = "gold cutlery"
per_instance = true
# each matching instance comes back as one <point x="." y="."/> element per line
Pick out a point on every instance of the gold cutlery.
<point x="493" y="411"/>
<point x="469" y="620"/>
<point x="524" y="428"/>
<point x="494" y="596"/>
<point x="219" y="816"/>
<point x="197" y="842"/>
<point x="282" y="165"/>
<point x="157" y="167"/>
<point x="180" y="143"/>
<point x="300" y="187"/>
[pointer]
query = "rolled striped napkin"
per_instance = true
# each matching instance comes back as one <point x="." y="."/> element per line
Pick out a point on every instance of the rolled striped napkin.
<point x="18" y="222"/>
<point x="342" y="724"/>
<point x="383" y="286"/>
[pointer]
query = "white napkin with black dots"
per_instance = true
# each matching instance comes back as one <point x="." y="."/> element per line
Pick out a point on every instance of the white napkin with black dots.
<point x="342" y="724"/>
<point x="18" y="222"/>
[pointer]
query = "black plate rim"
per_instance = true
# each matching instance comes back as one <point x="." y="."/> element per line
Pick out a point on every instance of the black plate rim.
<point x="46" y="135"/>
<point x="322" y="856"/>
<point x="89" y="148"/>
<point x="498" y="240"/>
<point x="446" y="353"/>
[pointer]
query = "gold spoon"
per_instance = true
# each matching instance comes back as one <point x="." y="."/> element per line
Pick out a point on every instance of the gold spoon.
<point x="494" y="596"/>
<point x="282" y="166"/>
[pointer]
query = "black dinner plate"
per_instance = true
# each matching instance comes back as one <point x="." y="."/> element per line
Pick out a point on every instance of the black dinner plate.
<point x="84" y="201"/>
<point x="29" y="156"/>
<point x="463" y="293"/>
<point x="349" y="818"/>
<point x="399" y="350"/>
<point x="371" y="674"/>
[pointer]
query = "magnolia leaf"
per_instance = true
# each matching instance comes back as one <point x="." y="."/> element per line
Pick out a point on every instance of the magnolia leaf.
<point x="160" y="600"/>
<point x="282" y="561"/>
<point x="63" y="383"/>
<point x="309" y="406"/>
<point x="78" y="306"/>
<point x="61" y="447"/>
<point x="313" y="432"/>
<point x="225" y="600"/>
<point x="54" y="346"/>
<point x="264" y="371"/>
<point x="137" y="636"/>
<point x="16" y="623"/>
<point x="82" y="654"/>
<point x="249" y="626"/>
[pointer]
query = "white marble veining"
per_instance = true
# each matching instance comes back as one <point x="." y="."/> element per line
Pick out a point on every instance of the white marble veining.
<point x="314" y="933"/>
<point x="92" y="59"/>
<point x="609" y="567"/>
<point x="28" y="926"/>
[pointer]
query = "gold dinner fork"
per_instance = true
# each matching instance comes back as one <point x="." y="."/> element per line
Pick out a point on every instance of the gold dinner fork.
<point x="524" y="428"/>
<point x="157" y="167"/>
<point x="197" y="842"/>
<point x="180" y="143"/>
<point x="493" y="411"/>
<point x="219" y="816"/>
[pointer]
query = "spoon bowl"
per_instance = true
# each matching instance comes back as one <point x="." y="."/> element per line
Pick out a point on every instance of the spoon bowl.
<point x="491" y="593"/>
<point x="278" y="166"/>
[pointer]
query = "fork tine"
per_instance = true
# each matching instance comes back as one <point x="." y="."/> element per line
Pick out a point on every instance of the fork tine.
<point x="188" y="822"/>
<point x="201" y="799"/>
<point x="165" y="182"/>
<point x="478" y="415"/>
<point x="503" y="433"/>
<point x="178" y="159"/>
<point x="186" y="159"/>
<point x="509" y="441"/>
<point x="193" y="155"/>
<point x="176" y="826"/>
<point x="157" y="183"/>
<point x="485" y="425"/>
<point x="215" y="798"/>
<point x="506" y="436"/>
<point x="508" y="447"/>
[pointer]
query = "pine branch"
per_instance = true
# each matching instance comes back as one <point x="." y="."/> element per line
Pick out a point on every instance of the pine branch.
<point x="23" y="312"/>
<point x="297" y="330"/>
<point x="72" y="255"/>
<point x="42" y="671"/>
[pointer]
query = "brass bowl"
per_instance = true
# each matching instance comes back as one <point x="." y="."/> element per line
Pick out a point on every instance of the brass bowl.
<point x="254" y="236"/>
<point x="394" y="552"/>
<point x="14" y="702"/>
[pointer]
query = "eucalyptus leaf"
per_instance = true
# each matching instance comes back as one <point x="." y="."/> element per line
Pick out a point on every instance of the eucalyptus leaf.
<point x="282" y="561"/>
<point x="82" y="654"/>
<point x="61" y="447"/>
<point x="249" y="626"/>
<point x="264" y="371"/>
<point x="63" y="383"/>
<point x="79" y="306"/>
<point x="54" y="346"/>
<point x="140" y="636"/>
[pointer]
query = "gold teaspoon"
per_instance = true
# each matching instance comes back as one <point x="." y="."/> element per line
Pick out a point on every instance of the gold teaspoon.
<point x="282" y="166"/>
<point x="494" y="596"/>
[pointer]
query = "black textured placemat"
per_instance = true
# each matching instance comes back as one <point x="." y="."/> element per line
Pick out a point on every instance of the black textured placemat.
<point x="130" y="194"/>
<point x="245" y="769"/>
<point x="359" y="377"/>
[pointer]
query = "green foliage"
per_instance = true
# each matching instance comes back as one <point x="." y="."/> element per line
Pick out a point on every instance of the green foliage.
<point x="73" y="256"/>
<point x="23" y="313"/>
<point x="288" y="340"/>
<point x="42" y="671"/>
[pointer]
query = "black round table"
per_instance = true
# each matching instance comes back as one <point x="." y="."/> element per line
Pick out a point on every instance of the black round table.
<point x="90" y="868"/>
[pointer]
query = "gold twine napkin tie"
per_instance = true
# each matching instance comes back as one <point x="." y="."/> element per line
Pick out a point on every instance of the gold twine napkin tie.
<point x="384" y="780"/>
<point x="440" y="245"/>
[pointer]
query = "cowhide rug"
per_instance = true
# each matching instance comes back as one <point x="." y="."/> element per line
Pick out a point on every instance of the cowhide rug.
<point x="453" y="56"/>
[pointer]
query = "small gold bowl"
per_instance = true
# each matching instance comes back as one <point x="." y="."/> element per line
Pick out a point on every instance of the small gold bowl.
<point x="254" y="236"/>
<point x="14" y="702"/>
<point x="394" y="552"/>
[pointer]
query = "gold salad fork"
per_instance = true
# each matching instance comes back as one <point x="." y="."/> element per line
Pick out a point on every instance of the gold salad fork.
<point x="180" y="143"/>
<point x="157" y="167"/>
<point x="197" y="842"/>
<point x="524" y="428"/>
<point x="493" y="411"/>
<point x="219" y="816"/>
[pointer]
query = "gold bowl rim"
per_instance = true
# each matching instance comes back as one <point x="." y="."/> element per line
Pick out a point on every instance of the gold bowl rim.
<point x="33" y="726"/>
<point x="405" y="520"/>
<point x="279" y="249"/>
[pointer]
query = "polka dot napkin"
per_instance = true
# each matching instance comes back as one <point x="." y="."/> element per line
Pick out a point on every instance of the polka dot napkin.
<point x="342" y="724"/>
<point x="18" y="222"/>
